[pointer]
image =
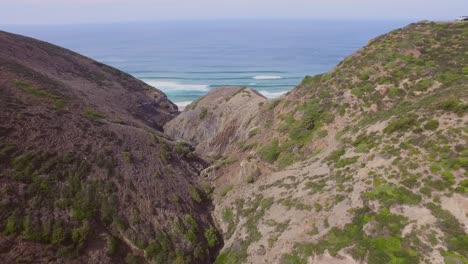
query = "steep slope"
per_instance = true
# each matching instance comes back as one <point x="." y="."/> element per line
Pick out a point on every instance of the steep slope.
<point x="225" y="116"/>
<point x="86" y="176"/>
<point x="365" y="164"/>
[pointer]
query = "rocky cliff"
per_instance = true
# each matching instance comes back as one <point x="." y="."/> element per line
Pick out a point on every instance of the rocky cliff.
<point x="366" y="163"/>
<point x="216" y="122"/>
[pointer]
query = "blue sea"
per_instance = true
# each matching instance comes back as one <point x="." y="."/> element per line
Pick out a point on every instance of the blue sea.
<point x="186" y="59"/>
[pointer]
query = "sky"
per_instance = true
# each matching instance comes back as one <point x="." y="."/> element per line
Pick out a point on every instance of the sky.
<point x="111" y="11"/>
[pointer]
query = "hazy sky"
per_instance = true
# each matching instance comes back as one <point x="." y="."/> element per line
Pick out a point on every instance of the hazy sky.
<point x="97" y="11"/>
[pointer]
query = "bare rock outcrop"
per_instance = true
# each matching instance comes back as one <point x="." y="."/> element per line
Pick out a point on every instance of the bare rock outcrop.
<point x="217" y="122"/>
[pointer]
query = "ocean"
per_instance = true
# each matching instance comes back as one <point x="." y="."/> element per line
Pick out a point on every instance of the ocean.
<point x="186" y="59"/>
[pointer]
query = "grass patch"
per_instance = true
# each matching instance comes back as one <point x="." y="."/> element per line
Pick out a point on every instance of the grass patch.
<point x="28" y="88"/>
<point x="92" y="114"/>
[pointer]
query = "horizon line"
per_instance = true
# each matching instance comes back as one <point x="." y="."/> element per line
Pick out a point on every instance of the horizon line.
<point x="352" y="19"/>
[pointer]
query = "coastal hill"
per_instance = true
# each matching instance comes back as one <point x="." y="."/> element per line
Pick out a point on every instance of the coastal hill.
<point x="366" y="163"/>
<point x="86" y="174"/>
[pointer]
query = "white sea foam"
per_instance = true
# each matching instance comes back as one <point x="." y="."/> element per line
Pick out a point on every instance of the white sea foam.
<point x="267" y="77"/>
<point x="182" y="105"/>
<point x="171" y="86"/>
<point x="271" y="95"/>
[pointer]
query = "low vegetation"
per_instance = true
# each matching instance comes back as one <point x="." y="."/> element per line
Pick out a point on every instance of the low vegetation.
<point x="57" y="101"/>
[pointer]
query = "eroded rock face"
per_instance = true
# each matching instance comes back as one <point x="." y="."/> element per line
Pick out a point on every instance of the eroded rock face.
<point x="217" y="122"/>
<point x="86" y="176"/>
<point x="363" y="164"/>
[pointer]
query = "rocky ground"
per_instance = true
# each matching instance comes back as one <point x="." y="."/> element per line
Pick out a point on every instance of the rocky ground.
<point x="363" y="164"/>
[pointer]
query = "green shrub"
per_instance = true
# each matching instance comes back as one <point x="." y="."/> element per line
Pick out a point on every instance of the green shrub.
<point x="127" y="156"/>
<point x="362" y="90"/>
<point x="131" y="259"/>
<point x="59" y="234"/>
<point x="228" y="215"/>
<point x="226" y="190"/>
<point x="6" y="151"/>
<point x="80" y="235"/>
<point x="346" y="161"/>
<point x="336" y="155"/>
<point x="183" y="148"/>
<point x="231" y="256"/>
<point x="159" y="250"/>
<point x="84" y="204"/>
<point x="165" y="152"/>
<point x="394" y="92"/>
<point x="455" y="236"/>
<point x="286" y="159"/>
<point x="272" y="105"/>
<point x="342" y="109"/>
<point x="453" y="258"/>
<point x="311" y="80"/>
<point x="92" y="114"/>
<point x="33" y="232"/>
<point x="362" y="148"/>
<point x="449" y="77"/>
<point x="398" y="124"/>
<point x="364" y="76"/>
<point x="203" y="113"/>
<point x="292" y="259"/>
<point x="448" y="177"/>
<point x="463" y="187"/>
<point x="465" y="70"/>
<point x="191" y="229"/>
<point x="390" y="194"/>
<point x="271" y="151"/>
<point x="112" y="245"/>
<point x="382" y="247"/>
<point x="175" y="199"/>
<point x="311" y="119"/>
<point x="432" y="124"/>
<point x="453" y="105"/>
<point x="12" y="226"/>
<point x="424" y="84"/>
<point x="411" y="181"/>
<point x="195" y="193"/>
<point x="211" y="237"/>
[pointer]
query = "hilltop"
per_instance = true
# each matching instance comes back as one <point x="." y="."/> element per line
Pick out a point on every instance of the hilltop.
<point x="86" y="174"/>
